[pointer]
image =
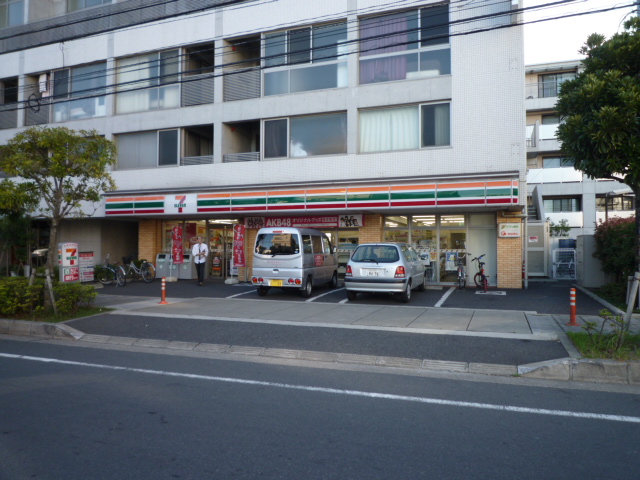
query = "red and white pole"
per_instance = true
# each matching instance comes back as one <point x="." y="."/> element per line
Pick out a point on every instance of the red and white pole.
<point x="572" y="309"/>
<point x="164" y="292"/>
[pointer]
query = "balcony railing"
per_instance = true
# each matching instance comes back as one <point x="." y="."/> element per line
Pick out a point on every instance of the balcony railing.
<point x="203" y="160"/>
<point x="241" y="84"/>
<point x="8" y="116"/>
<point x="241" y="157"/>
<point x="197" y="90"/>
<point x="554" y="175"/>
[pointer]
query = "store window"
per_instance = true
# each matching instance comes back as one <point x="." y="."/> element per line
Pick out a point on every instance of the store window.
<point x="439" y="240"/>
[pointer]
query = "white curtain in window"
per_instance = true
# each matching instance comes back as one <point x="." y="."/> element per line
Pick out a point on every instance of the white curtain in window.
<point x="441" y="117"/>
<point x="389" y="129"/>
<point x="134" y="73"/>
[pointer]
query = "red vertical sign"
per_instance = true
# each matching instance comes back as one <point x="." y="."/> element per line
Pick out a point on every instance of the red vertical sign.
<point x="176" y="236"/>
<point x="238" y="246"/>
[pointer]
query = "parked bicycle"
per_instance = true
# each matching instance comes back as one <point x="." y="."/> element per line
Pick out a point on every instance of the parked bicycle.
<point x="462" y="274"/>
<point x="107" y="273"/>
<point x="146" y="270"/>
<point x="480" y="279"/>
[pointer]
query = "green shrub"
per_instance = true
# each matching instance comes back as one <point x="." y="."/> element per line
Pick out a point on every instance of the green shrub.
<point x="616" y="245"/>
<point x="17" y="298"/>
<point x="71" y="296"/>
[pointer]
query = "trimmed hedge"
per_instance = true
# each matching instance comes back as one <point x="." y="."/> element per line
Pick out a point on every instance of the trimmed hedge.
<point x="18" y="299"/>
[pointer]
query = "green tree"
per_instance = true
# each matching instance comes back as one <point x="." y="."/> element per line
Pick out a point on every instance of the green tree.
<point x="61" y="169"/>
<point x="600" y="111"/>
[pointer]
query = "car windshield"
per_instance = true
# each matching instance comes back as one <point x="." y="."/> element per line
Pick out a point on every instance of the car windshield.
<point x="277" y="244"/>
<point x="376" y="253"/>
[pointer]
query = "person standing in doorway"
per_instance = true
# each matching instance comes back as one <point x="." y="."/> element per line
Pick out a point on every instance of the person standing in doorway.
<point x="200" y="251"/>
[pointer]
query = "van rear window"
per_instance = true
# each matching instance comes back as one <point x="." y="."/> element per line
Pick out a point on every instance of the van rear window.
<point x="277" y="244"/>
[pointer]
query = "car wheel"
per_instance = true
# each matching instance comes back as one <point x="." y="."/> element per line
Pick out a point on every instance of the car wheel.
<point x="334" y="280"/>
<point x="262" y="291"/>
<point x="423" y="285"/>
<point x="351" y="295"/>
<point x="406" y="295"/>
<point x="308" y="288"/>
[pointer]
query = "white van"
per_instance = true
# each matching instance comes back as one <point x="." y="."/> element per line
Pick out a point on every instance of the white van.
<point x="299" y="258"/>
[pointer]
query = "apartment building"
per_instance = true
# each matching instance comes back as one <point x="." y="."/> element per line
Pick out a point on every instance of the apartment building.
<point x="369" y="120"/>
<point x="556" y="191"/>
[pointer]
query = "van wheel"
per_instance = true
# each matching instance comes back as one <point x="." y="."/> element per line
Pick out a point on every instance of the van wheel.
<point x="406" y="295"/>
<point x="351" y="295"/>
<point x="308" y="288"/>
<point x="262" y="291"/>
<point x="334" y="280"/>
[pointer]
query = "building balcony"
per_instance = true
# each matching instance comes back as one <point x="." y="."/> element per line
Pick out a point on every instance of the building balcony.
<point x="574" y="219"/>
<point x="553" y="175"/>
<point x="8" y="116"/>
<point x="541" y="138"/>
<point x="202" y="160"/>
<point x="241" y="84"/>
<point x="241" y="157"/>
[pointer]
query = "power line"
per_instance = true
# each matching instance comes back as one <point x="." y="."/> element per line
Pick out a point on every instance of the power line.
<point x="78" y="94"/>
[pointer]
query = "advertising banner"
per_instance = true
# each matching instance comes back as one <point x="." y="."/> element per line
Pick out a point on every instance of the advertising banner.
<point x="176" y="242"/>
<point x="311" y="221"/>
<point x="238" y="246"/>
<point x="86" y="266"/>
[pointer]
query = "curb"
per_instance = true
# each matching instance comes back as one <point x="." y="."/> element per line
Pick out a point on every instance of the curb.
<point x="567" y="369"/>
<point x="39" y="329"/>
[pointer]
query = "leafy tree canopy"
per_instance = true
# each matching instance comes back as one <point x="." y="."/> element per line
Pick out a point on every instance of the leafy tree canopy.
<point x="600" y="112"/>
<point x="56" y="169"/>
<point x="600" y="108"/>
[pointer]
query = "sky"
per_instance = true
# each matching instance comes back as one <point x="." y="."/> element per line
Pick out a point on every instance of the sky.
<point x="560" y="40"/>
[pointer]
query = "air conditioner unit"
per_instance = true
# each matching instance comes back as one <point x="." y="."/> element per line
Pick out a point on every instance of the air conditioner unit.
<point x="43" y="84"/>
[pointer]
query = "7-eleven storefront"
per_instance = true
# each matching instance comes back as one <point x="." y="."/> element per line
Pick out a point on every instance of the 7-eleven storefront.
<point x="441" y="219"/>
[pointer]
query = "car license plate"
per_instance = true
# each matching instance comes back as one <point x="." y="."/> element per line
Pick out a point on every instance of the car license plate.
<point x="368" y="272"/>
<point x="275" y="283"/>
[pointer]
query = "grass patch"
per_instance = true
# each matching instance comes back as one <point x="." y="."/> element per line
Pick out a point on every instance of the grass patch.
<point x="48" y="316"/>
<point x="630" y="349"/>
<point x="615" y="293"/>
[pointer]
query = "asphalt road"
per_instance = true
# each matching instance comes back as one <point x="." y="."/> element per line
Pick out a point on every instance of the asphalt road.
<point x="76" y="413"/>
<point x="540" y="297"/>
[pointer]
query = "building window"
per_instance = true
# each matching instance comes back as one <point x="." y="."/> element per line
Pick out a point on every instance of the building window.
<point x="148" y="149"/>
<point x="73" y="5"/>
<point x="306" y="136"/>
<point x="148" y="82"/>
<point x="615" y="203"/>
<point x="557" y="162"/>
<point x="561" y="205"/>
<point x="305" y="59"/>
<point x="549" y="85"/>
<point x="11" y="13"/>
<point x="78" y="92"/>
<point x="405" y="45"/>
<point x="405" y="128"/>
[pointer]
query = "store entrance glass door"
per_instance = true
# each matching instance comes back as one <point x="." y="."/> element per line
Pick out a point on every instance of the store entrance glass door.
<point x="220" y="249"/>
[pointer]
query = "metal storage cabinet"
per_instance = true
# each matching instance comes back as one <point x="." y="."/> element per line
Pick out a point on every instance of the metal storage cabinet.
<point x="187" y="271"/>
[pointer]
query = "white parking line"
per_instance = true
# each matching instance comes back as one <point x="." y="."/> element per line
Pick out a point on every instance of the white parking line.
<point x="324" y="294"/>
<point x="444" y="297"/>
<point x="335" y="391"/>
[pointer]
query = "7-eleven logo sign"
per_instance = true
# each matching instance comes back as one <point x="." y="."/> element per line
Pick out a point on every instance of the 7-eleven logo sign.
<point x="181" y="202"/>
<point x="71" y="255"/>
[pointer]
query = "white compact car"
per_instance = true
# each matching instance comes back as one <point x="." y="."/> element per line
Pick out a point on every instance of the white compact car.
<point x="384" y="267"/>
